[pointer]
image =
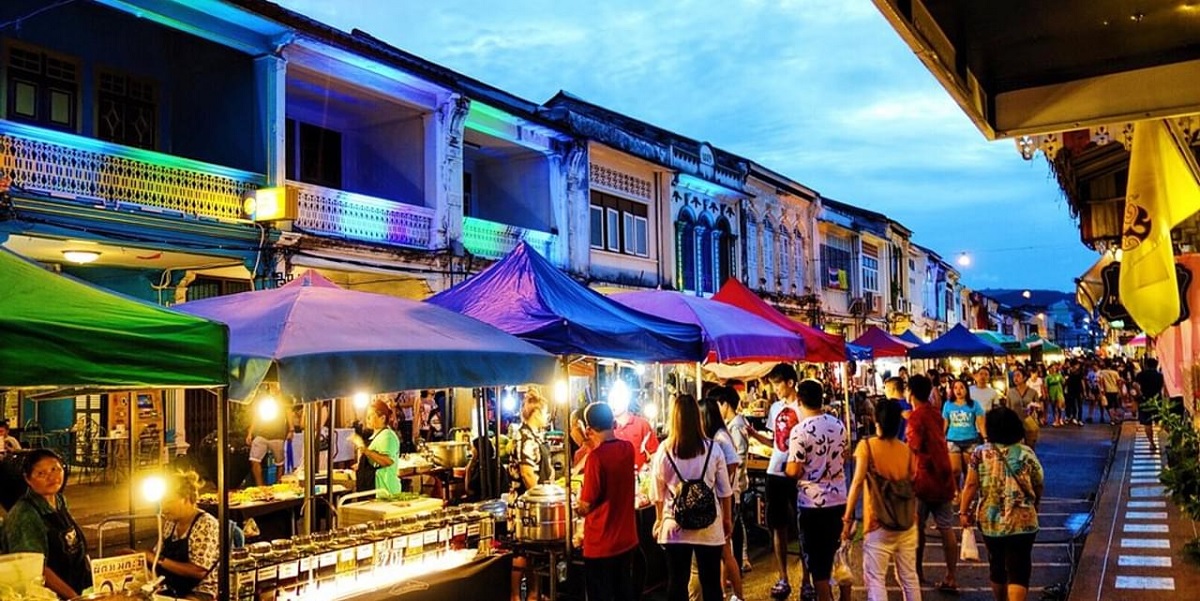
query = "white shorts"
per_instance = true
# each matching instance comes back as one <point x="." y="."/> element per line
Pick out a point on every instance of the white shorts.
<point x="258" y="450"/>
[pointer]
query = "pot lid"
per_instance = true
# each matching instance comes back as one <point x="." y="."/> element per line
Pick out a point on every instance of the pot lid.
<point x="546" y="493"/>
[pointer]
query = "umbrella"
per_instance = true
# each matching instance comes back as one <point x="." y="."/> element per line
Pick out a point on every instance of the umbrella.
<point x="526" y="296"/>
<point x="819" y="346"/>
<point x="328" y="342"/>
<point x="730" y="334"/>
<point x="958" y="342"/>
<point x="882" y="344"/>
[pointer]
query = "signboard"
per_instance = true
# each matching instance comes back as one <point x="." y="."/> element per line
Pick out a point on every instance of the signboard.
<point x="1110" y="307"/>
<point x="119" y="573"/>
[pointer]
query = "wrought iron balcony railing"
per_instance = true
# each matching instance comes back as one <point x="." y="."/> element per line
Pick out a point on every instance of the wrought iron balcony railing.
<point x="494" y="240"/>
<point x="359" y="217"/>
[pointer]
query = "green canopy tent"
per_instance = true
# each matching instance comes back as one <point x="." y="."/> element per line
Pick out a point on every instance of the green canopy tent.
<point x="1008" y="342"/>
<point x="1048" y="348"/>
<point x="59" y="332"/>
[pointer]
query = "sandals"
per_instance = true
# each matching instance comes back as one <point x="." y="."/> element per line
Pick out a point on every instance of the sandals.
<point x="946" y="587"/>
<point x="781" y="590"/>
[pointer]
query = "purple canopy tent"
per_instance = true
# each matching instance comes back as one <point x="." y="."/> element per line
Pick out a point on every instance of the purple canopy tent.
<point x="328" y="342"/>
<point x="525" y="295"/>
<point x="883" y="344"/>
<point x="730" y="334"/>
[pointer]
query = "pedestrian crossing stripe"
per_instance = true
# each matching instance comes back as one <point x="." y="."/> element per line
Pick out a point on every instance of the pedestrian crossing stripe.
<point x="1145" y="504"/>
<point x="1145" y="543"/>
<point x="1145" y="515"/>
<point x="1156" y="528"/>
<point x="1145" y="583"/>
<point x="1144" y="561"/>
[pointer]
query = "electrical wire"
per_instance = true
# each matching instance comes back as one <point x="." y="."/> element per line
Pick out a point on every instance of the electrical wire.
<point x="17" y="21"/>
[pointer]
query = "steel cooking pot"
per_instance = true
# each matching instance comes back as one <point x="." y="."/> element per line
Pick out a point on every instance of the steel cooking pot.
<point x="450" y="453"/>
<point x="540" y="515"/>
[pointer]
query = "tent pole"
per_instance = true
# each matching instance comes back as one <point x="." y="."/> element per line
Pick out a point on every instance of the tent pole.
<point x="499" y="423"/>
<point x="846" y="393"/>
<point x="329" y="459"/>
<point x="311" y="453"/>
<point x="699" y="383"/>
<point x="565" y="375"/>
<point x="222" y="493"/>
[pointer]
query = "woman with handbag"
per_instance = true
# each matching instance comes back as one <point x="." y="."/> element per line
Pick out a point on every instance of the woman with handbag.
<point x="886" y="466"/>
<point x="1008" y="479"/>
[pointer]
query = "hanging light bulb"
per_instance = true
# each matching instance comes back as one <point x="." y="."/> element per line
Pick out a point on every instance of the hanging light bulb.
<point x="153" y="488"/>
<point x="361" y="400"/>
<point x="268" y="408"/>
<point x="619" y="397"/>
<point x="650" y="411"/>
<point x="562" y="392"/>
<point x="509" y="402"/>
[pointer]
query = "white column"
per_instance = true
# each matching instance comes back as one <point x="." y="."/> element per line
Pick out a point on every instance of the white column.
<point x="576" y="239"/>
<point x="271" y="73"/>
<point x="444" y="169"/>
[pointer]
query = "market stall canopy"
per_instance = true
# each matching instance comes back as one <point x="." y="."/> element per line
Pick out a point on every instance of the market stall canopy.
<point x="327" y="342"/>
<point x="883" y="344"/>
<point x="1089" y="287"/>
<point x="526" y="296"/>
<point x="855" y="352"/>
<point x="1008" y="342"/>
<point x="958" y="342"/>
<point x="60" y="332"/>
<point x="731" y="335"/>
<point x="819" y="346"/>
<point x="910" y="337"/>
<point x="1078" y="63"/>
<point x="1139" y="340"/>
<point x="1048" y="348"/>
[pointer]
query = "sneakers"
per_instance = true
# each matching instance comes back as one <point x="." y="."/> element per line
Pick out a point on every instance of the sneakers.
<point x="808" y="593"/>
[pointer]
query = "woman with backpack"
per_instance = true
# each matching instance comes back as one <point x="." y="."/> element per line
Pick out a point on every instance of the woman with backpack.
<point x="1008" y="479"/>
<point x="886" y="466"/>
<point x="692" y="498"/>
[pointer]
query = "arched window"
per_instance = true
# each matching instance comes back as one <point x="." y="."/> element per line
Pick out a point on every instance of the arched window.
<point x="800" y="264"/>
<point x="705" y="234"/>
<point x="785" y="260"/>
<point x="769" y="253"/>
<point x="685" y="251"/>
<point x="723" y="242"/>
<point x="753" y="249"/>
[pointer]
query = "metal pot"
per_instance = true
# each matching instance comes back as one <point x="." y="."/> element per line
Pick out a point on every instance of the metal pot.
<point x="540" y="515"/>
<point x="450" y="453"/>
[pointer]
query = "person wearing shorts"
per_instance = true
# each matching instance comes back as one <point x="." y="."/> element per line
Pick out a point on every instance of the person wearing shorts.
<point x="267" y="432"/>
<point x="964" y="427"/>
<point x="816" y="459"/>
<point x="781" y="490"/>
<point x="1110" y="386"/>
<point x="1150" y="386"/>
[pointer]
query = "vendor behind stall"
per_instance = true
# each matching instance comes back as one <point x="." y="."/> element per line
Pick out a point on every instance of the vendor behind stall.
<point x="41" y="523"/>
<point x="635" y="430"/>
<point x="529" y="464"/>
<point x="377" y="463"/>
<point x="190" y="542"/>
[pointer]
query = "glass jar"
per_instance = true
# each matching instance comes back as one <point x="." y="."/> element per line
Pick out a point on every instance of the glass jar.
<point x="327" y="558"/>
<point x="392" y="553"/>
<point x="458" y="529"/>
<point x="429" y="536"/>
<point x="347" y="563"/>
<point x="414" y="540"/>
<point x="364" y="549"/>
<point x="267" y="574"/>
<point x="474" y="528"/>
<point x="306" y="555"/>
<point x="288" y="568"/>
<point x="242" y="573"/>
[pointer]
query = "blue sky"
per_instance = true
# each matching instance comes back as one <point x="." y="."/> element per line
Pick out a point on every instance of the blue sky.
<point x="824" y="92"/>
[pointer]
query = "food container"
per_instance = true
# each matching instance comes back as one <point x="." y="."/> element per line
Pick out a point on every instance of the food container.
<point x="540" y="515"/>
<point x="450" y="453"/>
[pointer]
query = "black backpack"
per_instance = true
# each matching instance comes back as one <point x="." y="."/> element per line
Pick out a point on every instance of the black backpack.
<point x="893" y="501"/>
<point x="696" y="504"/>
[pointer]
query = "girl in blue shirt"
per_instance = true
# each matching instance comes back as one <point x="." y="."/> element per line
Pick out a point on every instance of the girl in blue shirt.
<point x="964" y="427"/>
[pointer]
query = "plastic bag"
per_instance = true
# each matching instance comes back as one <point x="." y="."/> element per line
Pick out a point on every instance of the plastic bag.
<point x="969" y="550"/>
<point x="842" y="573"/>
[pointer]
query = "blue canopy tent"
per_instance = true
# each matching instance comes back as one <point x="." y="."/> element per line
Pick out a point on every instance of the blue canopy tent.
<point x="910" y="337"/>
<point x="855" y="352"/>
<point x="958" y="342"/>
<point x="526" y="296"/>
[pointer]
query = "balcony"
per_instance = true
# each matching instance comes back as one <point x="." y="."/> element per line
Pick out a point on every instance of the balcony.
<point x="78" y="168"/>
<point x="493" y="240"/>
<point x="354" y="216"/>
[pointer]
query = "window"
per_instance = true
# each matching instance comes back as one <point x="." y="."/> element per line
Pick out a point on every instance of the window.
<point x="785" y="260"/>
<point x="769" y="254"/>
<point x="619" y="225"/>
<point x="468" y="193"/>
<point x="205" y="287"/>
<point x="685" y="251"/>
<point x="42" y="89"/>
<point x="870" y="267"/>
<point x="724" y="243"/>
<point x="314" y="154"/>
<point x="835" y="262"/>
<point x="126" y="110"/>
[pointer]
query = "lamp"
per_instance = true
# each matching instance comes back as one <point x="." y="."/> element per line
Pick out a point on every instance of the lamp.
<point x="562" y="392"/>
<point x="154" y="487"/>
<point x="618" y="397"/>
<point x="361" y="400"/>
<point x="80" y="256"/>
<point x="964" y="260"/>
<point x="268" y="408"/>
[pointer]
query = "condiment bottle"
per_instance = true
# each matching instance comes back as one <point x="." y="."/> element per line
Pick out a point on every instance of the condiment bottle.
<point x="387" y="553"/>
<point x="242" y="572"/>
<point x="364" y="550"/>
<point x="458" y="529"/>
<point x="429" y="536"/>
<point x="347" y="563"/>
<point x="288" y="568"/>
<point x="268" y="571"/>
<point x="414" y="541"/>
<point x="307" y="556"/>
<point x="327" y="558"/>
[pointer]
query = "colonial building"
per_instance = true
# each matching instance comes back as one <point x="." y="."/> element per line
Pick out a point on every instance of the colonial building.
<point x="779" y="223"/>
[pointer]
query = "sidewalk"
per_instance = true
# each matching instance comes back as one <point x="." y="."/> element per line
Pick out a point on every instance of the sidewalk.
<point x="1135" y="548"/>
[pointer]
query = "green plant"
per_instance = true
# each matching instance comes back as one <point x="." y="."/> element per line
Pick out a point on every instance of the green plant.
<point x="1181" y="446"/>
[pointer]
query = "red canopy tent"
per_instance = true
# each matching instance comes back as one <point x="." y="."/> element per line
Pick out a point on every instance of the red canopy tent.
<point x="820" y="347"/>
<point x="882" y="344"/>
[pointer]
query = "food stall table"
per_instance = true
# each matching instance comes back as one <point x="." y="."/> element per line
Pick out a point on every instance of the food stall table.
<point x="275" y="518"/>
<point x="479" y="579"/>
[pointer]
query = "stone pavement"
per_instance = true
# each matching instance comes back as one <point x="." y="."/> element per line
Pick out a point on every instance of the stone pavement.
<point x="1135" y="551"/>
<point x="1074" y="460"/>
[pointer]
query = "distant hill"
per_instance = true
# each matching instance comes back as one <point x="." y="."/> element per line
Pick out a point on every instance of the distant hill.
<point x="1037" y="298"/>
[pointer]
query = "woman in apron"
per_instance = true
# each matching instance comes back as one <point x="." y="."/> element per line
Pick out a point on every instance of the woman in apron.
<point x="377" y="462"/>
<point x="41" y="523"/>
<point x="190" y="542"/>
<point x="529" y="465"/>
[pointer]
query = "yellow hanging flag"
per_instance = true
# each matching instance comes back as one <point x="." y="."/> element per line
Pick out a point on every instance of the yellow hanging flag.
<point x="1162" y="192"/>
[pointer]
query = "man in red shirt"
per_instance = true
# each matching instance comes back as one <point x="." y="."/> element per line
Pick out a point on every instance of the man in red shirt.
<point x="933" y="481"/>
<point x="635" y="430"/>
<point x="606" y="504"/>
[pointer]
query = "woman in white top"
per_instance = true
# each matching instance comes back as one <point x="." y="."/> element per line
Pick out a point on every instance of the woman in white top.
<point x="687" y="455"/>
